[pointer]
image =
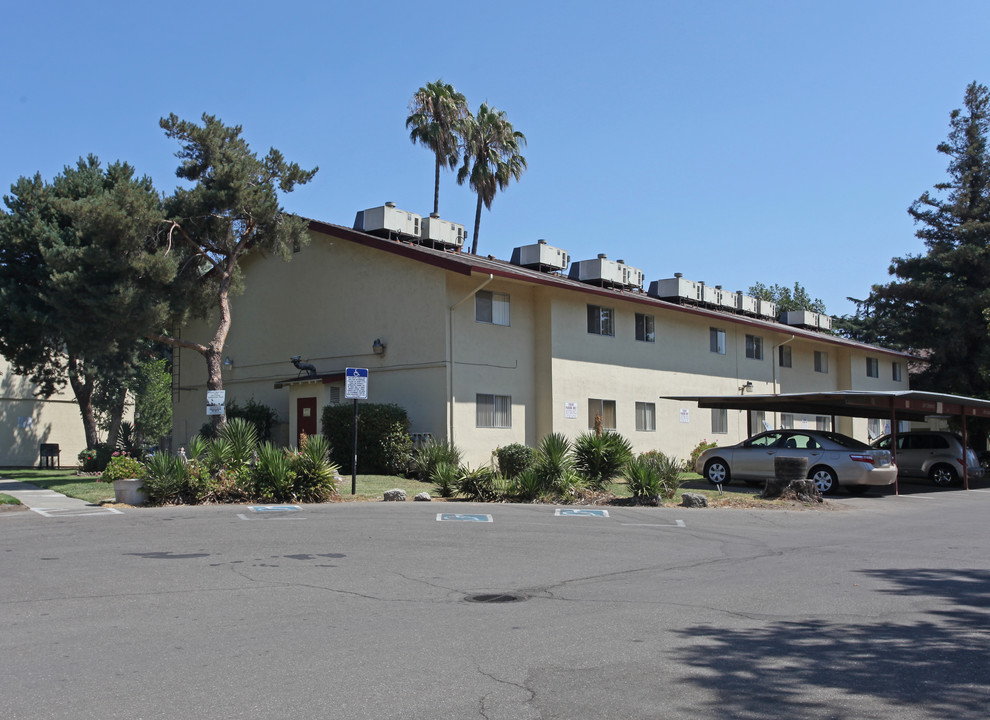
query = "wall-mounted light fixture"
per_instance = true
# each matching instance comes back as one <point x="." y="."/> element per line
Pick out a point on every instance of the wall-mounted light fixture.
<point x="747" y="387"/>
<point x="378" y="347"/>
<point x="228" y="363"/>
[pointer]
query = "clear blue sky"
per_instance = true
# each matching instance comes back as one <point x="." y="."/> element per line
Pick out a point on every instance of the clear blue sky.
<point x="734" y="142"/>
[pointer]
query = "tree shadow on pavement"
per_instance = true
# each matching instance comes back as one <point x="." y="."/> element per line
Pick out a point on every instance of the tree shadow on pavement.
<point x="938" y="667"/>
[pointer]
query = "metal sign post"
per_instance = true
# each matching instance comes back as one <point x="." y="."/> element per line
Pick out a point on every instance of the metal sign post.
<point x="356" y="387"/>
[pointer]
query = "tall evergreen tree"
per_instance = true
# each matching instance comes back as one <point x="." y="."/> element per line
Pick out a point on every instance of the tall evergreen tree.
<point x="436" y="114"/>
<point x="231" y="212"/>
<point x="79" y="278"/>
<point x="942" y="294"/>
<point x="491" y="158"/>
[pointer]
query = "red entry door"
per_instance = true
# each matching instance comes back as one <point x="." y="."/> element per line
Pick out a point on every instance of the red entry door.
<point x="305" y="417"/>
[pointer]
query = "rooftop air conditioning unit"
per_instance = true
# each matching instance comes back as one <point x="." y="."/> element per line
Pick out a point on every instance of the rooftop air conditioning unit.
<point x="800" y="318"/>
<point x="541" y="257"/>
<point x="387" y="220"/>
<point x="746" y="304"/>
<point x="676" y="288"/>
<point x="825" y="322"/>
<point x="605" y="272"/>
<point x="710" y="295"/>
<point x="444" y="233"/>
<point x="726" y="299"/>
<point x="766" y="309"/>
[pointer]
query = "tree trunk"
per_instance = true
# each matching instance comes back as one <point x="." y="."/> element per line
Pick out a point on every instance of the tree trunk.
<point x="82" y="387"/>
<point x="116" y="415"/>
<point x="436" y="188"/>
<point x="477" y="224"/>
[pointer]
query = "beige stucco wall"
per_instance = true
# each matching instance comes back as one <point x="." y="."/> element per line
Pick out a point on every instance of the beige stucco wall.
<point x="336" y="297"/>
<point x="27" y="421"/>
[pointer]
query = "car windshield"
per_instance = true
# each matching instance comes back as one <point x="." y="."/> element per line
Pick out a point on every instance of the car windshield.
<point x="846" y="441"/>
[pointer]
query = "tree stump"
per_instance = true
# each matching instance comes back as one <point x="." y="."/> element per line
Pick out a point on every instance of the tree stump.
<point x="790" y="480"/>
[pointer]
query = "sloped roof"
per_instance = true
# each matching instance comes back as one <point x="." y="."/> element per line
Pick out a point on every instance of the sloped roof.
<point x="467" y="264"/>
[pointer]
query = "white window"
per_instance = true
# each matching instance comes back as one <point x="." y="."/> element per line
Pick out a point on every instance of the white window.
<point x="784" y="351"/>
<point x="646" y="416"/>
<point x="493" y="411"/>
<point x="604" y="409"/>
<point x="334" y="394"/>
<point x="720" y="421"/>
<point x="644" y="328"/>
<point x="823" y="423"/>
<point x="757" y="422"/>
<point x="601" y="320"/>
<point x="491" y="307"/>
<point x="872" y="367"/>
<point x="821" y="361"/>
<point x="754" y="347"/>
<point x="786" y="421"/>
<point x="716" y="340"/>
<point x="895" y="369"/>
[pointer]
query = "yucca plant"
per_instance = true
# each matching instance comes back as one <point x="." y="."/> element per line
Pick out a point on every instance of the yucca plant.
<point x="432" y="453"/>
<point x="653" y="476"/>
<point x="528" y="485"/>
<point x="243" y="439"/>
<point x="445" y="476"/>
<point x="600" y="458"/>
<point x="273" y="476"/>
<point x="165" y="479"/>
<point x="315" y="473"/>
<point x="197" y="446"/>
<point x="555" y="467"/>
<point x="477" y="484"/>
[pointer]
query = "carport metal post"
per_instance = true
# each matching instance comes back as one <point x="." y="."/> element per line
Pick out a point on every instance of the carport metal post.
<point x="893" y="446"/>
<point x="965" y="448"/>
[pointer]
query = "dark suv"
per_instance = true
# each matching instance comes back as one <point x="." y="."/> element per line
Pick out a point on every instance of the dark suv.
<point x="931" y="454"/>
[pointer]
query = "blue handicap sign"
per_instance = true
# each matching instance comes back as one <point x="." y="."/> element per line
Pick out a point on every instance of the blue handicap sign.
<point x="463" y="517"/>
<point x="274" y="508"/>
<point x="580" y="512"/>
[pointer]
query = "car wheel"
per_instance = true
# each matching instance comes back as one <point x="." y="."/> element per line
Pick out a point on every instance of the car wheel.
<point x="825" y="479"/>
<point x="717" y="472"/>
<point x="857" y="489"/>
<point x="943" y="475"/>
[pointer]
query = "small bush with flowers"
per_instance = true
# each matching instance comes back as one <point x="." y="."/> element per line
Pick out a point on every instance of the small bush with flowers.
<point x="122" y="466"/>
<point x="87" y="460"/>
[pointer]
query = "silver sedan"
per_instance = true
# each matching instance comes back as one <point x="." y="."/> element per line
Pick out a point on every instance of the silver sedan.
<point x="833" y="460"/>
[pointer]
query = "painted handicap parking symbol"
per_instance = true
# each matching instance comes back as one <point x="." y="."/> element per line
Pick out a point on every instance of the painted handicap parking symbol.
<point x="274" y="508"/>
<point x="464" y="517"/>
<point x="580" y="512"/>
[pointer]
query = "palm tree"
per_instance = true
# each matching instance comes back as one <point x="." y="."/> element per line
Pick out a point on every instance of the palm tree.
<point x="436" y="114"/>
<point x="491" y="158"/>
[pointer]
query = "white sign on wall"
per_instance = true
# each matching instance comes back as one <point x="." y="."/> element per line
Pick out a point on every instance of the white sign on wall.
<point x="216" y="397"/>
<point x="570" y="410"/>
<point x="685" y="415"/>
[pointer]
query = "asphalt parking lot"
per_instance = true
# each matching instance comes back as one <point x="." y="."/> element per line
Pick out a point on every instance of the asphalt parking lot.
<point x="876" y="607"/>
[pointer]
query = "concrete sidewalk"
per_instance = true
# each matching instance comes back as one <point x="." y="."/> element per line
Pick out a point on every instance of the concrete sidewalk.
<point x="50" y="503"/>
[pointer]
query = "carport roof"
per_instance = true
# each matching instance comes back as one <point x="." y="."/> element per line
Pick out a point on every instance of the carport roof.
<point x="904" y="404"/>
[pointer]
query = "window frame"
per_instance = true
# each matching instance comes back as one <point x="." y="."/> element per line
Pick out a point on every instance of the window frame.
<point x="895" y="371"/>
<point x="495" y="301"/>
<point x="645" y="328"/>
<point x="602" y="405"/>
<point x="720" y="421"/>
<point x="480" y="421"/>
<point x="785" y="357"/>
<point x="647" y="420"/>
<point x="601" y="320"/>
<point x="716" y="340"/>
<point x="872" y="367"/>
<point x="754" y="347"/>
<point x="821" y="362"/>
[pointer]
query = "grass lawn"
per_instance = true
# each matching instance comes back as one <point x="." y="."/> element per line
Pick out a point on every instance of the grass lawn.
<point x="84" y="487"/>
<point x="8" y="500"/>
<point x="372" y="487"/>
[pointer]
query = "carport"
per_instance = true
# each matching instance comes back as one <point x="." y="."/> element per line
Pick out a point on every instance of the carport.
<point x="892" y="405"/>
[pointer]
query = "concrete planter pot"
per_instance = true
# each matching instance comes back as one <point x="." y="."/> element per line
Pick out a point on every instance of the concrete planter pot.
<point x="129" y="491"/>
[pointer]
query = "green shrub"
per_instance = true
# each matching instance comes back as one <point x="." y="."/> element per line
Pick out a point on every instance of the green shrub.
<point x="87" y="460"/>
<point x="273" y="478"/>
<point x="375" y="422"/>
<point x="243" y="441"/>
<point x="165" y="480"/>
<point x="528" y="485"/>
<point x="315" y="479"/>
<point x="260" y="416"/>
<point x="432" y="453"/>
<point x="514" y="459"/>
<point x="478" y="485"/>
<point x="600" y="458"/>
<point x="445" y="476"/>
<point x="653" y="476"/>
<point x="555" y="470"/>
<point x="397" y="451"/>
<point x="122" y="467"/>
<point x="696" y="453"/>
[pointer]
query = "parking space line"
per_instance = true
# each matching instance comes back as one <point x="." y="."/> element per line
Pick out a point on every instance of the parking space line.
<point x="75" y="512"/>
<point x="677" y="523"/>
<point x="914" y="497"/>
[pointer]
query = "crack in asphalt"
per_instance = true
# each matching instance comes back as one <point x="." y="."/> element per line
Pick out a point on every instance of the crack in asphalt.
<point x="482" y="709"/>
